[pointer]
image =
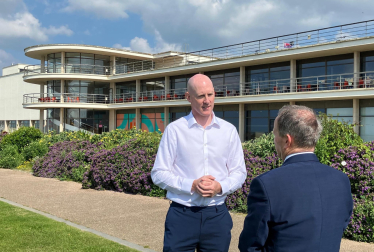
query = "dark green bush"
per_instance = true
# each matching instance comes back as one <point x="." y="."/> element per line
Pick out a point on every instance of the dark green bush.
<point x="335" y="136"/>
<point x="21" y="137"/>
<point x="34" y="149"/>
<point x="10" y="157"/>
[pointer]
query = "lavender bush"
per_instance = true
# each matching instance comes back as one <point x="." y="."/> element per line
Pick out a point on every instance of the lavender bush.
<point x="362" y="221"/>
<point x="255" y="166"/>
<point x="125" y="168"/>
<point x="66" y="160"/>
<point x="357" y="163"/>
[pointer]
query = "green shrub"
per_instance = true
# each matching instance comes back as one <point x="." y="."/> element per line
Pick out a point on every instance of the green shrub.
<point x="335" y="136"/>
<point x="116" y="137"/>
<point x="53" y="137"/>
<point x="262" y="146"/>
<point x="21" y="137"/>
<point x="34" y="149"/>
<point x="361" y="226"/>
<point x="10" y="157"/>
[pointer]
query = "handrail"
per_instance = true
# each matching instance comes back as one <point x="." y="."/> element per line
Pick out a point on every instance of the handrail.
<point x="69" y="68"/>
<point x="291" y="85"/>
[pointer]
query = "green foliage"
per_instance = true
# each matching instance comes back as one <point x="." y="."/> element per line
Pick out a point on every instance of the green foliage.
<point x="21" y="137"/>
<point x="53" y="137"/>
<point x="361" y="226"/>
<point x="335" y="136"/>
<point x="77" y="173"/>
<point x="262" y="146"/>
<point x="34" y="149"/>
<point x="157" y="192"/>
<point x="116" y="137"/>
<point x="10" y="157"/>
<point x="148" y="141"/>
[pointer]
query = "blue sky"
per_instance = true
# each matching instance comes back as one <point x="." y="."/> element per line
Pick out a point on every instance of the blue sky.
<point x="155" y="26"/>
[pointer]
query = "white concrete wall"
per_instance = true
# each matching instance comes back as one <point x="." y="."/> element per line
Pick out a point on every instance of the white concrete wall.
<point x="12" y="88"/>
<point x="13" y="69"/>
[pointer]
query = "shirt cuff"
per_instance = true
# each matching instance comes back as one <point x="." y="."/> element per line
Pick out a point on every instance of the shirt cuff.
<point x="225" y="188"/>
<point x="187" y="185"/>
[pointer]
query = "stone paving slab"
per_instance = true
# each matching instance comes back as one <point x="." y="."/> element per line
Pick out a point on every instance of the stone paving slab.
<point x="134" y="218"/>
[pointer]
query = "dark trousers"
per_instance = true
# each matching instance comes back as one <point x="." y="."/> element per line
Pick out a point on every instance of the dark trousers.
<point x="201" y="228"/>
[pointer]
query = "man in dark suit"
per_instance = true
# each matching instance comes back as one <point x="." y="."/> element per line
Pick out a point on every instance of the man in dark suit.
<point x="302" y="205"/>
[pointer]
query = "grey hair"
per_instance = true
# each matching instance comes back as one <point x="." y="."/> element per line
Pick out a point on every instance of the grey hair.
<point x="301" y="123"/>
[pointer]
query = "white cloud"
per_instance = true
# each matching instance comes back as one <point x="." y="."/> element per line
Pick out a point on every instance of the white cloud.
<point x="209" y="23"/>
<point x="102" y="8"/>
<point x="87" y="32"/>
<point x="17" y="22"/>
<point x="141" y="45"/>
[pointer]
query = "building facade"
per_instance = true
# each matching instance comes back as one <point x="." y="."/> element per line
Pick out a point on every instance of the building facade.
<point x="12" y="88"/>
<point x="98" y="89"/>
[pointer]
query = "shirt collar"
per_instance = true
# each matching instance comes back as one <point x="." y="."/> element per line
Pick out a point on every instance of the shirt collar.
<point x="191" y="120"/>
<point x="294" y="154"/>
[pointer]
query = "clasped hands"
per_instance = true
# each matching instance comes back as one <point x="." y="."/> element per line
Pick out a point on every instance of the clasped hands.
<point x="206" y="186"/>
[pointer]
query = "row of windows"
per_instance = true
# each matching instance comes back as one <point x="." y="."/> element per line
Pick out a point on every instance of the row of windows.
<point x="259" y="118"/>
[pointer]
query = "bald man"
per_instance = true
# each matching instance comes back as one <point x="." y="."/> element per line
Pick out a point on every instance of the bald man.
<point x="199" y="162"/>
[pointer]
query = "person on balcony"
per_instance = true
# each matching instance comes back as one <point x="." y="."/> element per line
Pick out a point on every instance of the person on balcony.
<point x="199" y="162"/>
<point x="303" y="205"/>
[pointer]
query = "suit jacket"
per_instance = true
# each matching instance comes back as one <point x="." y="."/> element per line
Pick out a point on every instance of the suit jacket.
<point x="301" y="206"/>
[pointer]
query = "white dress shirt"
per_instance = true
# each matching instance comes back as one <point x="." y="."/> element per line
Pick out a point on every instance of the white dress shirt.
<point x="187" y="152"/>
<point x="299" y="153"/>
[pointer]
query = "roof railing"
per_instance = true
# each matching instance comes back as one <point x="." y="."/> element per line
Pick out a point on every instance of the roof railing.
<point x="332" y="34"/>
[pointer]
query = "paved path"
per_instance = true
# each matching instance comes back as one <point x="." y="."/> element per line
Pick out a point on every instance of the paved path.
<point x="135" y="218"/>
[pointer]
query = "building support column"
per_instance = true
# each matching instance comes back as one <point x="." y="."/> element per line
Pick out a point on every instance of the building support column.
<point x="113" y="64"/>
<point x="17" y="124"/>
<point x="62" y="99"/>
<point x="6" y="126"/>
<point x="292" y="103"/>
<point x="112" y="119"/>
<point x="62" y="119"/>
<point x="137" y="90"/>
<point x="62" y="62"/>
<point x="112" y="95"/>
<point x="293" y="75"/>
<point x="41" y="90"/>
<point x="41" y="120"/>
<point x="356" y="115"/>
<point x="166" y="117"/>
<point x="356" y="68"/>
<point x="242" y="79"/>
<point x="167" y="86"/>
<point x="241" y="122"/>
<point x="42" y="64"/>
<point x="137" y="118"/>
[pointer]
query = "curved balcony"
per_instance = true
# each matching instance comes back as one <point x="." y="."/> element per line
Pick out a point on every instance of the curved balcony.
<point x="38" y="75"/>
<point x="347" y="85"/>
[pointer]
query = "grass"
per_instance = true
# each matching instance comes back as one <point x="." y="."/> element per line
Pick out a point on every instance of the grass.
<point x="22" y="230"/>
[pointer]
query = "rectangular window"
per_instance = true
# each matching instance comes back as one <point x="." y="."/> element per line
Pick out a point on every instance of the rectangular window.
<point x="152" y="120"/>
<point x="225" y="80"/>
<point x="259" y="119"/>
<point x="126" y="119"/>
<point x="178" y="112"/>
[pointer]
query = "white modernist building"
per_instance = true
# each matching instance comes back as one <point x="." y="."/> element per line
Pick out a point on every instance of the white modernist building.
<point x="12" y="88"/>
<point x="98" y="89"/>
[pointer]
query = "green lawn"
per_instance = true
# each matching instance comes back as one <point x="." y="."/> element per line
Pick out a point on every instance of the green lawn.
<point x="22" y="230"/>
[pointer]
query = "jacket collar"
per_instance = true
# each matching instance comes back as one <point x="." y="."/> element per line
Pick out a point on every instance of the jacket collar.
<point x="307" y="157"/>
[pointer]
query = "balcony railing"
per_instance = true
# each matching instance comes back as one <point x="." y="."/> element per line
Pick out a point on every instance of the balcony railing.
<point x="69" y="68"/>
<point x="66" y="98"/>
<point x="268" y="87"/>
<point x="285" y="42"/>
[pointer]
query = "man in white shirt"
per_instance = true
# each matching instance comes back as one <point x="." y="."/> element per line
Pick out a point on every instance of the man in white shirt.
<point x="199" y="162"/>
